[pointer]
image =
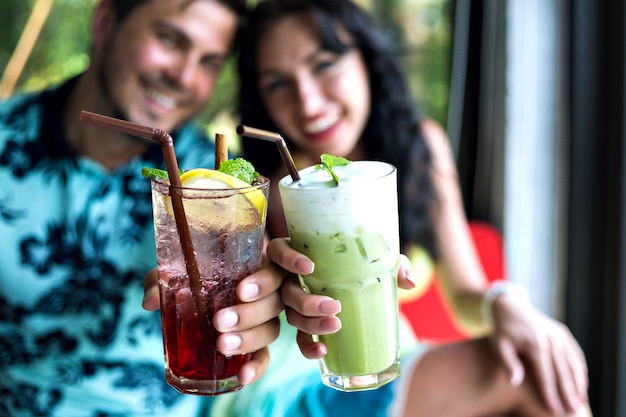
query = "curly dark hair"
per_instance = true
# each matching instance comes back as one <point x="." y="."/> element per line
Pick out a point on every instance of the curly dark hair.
<point x="392" y="132"/>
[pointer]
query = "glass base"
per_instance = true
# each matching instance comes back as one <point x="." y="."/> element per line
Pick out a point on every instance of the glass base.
<point x="203" y="387"/>
<point x="362" y="382"/>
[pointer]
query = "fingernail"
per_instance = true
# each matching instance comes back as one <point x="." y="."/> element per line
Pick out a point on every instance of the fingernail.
<point x="408" y="274"/>
<point x="329" y="307"/>
<point x="227" y="319"/>
<point x="249" y="377"/>
<point x="318" y="351"/>
<point x="249" y="292"/>
<point x="517" y="377"/>
<point x="232" y="342"/>
<point x="330" y="324"/>
<point x="304" y="265"/>
<point x="149" y="299"/>
<point x="575" y="404"/>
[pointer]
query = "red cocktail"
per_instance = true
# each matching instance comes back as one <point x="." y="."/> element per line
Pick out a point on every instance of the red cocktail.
<point x="226" y="219"/>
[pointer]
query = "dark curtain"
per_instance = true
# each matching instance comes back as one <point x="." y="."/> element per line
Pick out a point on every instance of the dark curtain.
<point x="463" y="118"/>
<point x="476" y="107"/>
<point x="596" y="284"/>
<point x="596" y="229"/>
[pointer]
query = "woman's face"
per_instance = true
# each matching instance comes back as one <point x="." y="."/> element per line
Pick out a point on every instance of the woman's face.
<point x="317" y="98"/>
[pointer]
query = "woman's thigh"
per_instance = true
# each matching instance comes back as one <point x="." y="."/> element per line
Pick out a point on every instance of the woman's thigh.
<point x="467" y="380"/>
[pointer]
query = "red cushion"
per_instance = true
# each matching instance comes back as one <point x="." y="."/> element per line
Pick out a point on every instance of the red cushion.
<point x="430" y="316"/>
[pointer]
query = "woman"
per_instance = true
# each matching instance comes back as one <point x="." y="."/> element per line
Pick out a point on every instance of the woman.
<point x="320" y="73"/>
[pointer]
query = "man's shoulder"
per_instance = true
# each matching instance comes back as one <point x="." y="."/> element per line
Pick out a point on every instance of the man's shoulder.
<point x="194" y="147"/>
<point x="21" y="116"/>
<point x="20" y="104"/>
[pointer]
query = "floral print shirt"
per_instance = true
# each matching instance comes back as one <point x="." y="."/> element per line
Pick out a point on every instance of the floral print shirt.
<point x="75" y="243"/>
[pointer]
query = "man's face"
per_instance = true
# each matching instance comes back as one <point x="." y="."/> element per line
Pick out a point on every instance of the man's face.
<point x="158" y="67"/>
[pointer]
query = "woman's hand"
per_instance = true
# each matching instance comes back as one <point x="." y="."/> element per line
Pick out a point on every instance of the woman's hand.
<point x="524" y="335"/>
<point x="246" y="327"/>
<point x="314" y="314"/>
<point x="310" y="314"/>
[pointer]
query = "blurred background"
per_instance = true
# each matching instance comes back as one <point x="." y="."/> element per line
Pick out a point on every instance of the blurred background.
<point x="532" y="95"/>
<point x="46" y="41"/>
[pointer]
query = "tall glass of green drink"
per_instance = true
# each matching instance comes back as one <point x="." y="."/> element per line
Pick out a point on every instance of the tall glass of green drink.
<point x="349" y="229"/>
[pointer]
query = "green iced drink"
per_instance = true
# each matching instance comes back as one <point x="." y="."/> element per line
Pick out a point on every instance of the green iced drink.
<point x="350" y="230"/>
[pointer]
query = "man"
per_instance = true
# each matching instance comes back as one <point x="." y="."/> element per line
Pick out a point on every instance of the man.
<point x="75" y="219"/>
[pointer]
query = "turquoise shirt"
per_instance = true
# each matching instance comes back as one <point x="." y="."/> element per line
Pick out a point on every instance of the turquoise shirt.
<point x="76" y="242"/>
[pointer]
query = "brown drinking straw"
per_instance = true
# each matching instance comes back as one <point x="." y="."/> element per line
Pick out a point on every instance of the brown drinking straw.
<point x="167" y="146"/>
<point x="280" y="142"/>
<point x="221" y="149"/>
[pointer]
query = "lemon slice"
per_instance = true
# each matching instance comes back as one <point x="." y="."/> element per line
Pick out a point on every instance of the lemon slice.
<point x="203" y="178"/>
<point x="210" y="178"/>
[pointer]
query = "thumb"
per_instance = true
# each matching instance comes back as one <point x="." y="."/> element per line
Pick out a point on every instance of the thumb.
<point x="505" y="350"/>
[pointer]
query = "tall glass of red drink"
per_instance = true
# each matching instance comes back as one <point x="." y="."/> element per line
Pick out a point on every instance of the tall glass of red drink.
<point x="226" y="219"/>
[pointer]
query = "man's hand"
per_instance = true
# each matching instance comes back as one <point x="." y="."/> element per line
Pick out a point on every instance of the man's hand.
<point x="246" y="327"/>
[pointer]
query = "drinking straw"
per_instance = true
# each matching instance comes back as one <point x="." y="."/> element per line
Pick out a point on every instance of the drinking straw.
<point x="221" y="149"/>
<point x="167" y="146"/>
<point x="253" y="132"/>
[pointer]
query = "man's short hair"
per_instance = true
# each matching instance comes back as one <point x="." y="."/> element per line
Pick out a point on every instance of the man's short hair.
<point x="124" y="7"/>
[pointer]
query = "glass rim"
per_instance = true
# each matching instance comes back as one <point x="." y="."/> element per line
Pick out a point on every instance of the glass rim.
<point x="163" y="182"/>
<point x="287" y="185"/>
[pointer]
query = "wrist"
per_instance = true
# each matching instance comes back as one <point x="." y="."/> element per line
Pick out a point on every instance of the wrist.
<point x="496" y="289"/>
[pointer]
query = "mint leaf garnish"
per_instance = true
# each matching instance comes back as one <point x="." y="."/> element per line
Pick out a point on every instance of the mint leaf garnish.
<point x="330" y="161"/>
<point x="239" y="168"/>
<point x="155" y="173"/>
